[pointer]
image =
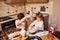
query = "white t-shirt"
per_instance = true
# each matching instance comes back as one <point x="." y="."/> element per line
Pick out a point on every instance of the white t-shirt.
<point x="22" y="26"/>
<point x="38" y="25"/>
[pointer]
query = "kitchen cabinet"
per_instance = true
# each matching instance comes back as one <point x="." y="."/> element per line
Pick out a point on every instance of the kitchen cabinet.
<point x="37" y="1"/>
<point x="15" y="1"/>
<point x="46" y="18"/>
<point x="27" y="1"/>
<point x="1" y="0"/>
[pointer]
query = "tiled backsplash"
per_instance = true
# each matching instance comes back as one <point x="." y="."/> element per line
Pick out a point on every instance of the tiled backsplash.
<point x="8" y="9"/>
<point x="36" y="7"/>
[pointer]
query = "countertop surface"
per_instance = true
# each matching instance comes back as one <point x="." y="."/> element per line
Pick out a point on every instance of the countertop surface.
<point x="7" y="20"/>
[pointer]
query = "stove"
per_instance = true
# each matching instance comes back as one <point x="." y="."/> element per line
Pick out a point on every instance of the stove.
<point x="6" y="25"/>
<point x="5" y="18"/>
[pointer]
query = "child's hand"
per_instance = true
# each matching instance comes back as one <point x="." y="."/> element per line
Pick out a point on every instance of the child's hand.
<point x="28" y="16"/>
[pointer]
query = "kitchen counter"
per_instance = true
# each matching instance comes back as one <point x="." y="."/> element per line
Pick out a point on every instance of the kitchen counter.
<point x="7" y="20"/>
<point x="13" y="17"/>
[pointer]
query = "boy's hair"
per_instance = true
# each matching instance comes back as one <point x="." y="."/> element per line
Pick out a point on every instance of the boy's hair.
<point x="40" y="15"/>
<point x="20" y="16"/>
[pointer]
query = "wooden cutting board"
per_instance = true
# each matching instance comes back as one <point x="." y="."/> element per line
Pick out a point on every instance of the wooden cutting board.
<point x="17" y="38"/>
<point x="48" y="37"/>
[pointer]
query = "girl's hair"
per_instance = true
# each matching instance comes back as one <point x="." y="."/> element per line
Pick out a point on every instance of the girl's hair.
<point x="20" y="16"/>
<point x="40" y="15"/>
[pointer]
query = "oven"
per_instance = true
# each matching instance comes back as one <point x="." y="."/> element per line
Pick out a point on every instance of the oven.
<point x="6" y="23"/>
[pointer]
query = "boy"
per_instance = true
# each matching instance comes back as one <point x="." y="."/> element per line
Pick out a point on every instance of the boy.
<point x="20" y="23"/>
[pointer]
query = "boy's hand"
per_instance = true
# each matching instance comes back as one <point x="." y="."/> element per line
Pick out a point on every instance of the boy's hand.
<point x="28" y="16"/>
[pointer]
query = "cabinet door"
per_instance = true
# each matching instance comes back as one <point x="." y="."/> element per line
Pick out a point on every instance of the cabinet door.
<point x="18" y="1"/>
<point x="37" y="1"/>
<point x="22" y="1"/>
<point x="15" y="1"/>
<point x="43" y="1"/>
<point x="29" y="1"/>
<point x="12" y="1"/>
<point x="46" y="19"/>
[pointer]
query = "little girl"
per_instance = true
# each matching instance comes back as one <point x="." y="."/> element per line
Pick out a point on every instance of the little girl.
<point x="36" y="27"/>
<point x="20" y="23"/>
<point x="37" y="24"/>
